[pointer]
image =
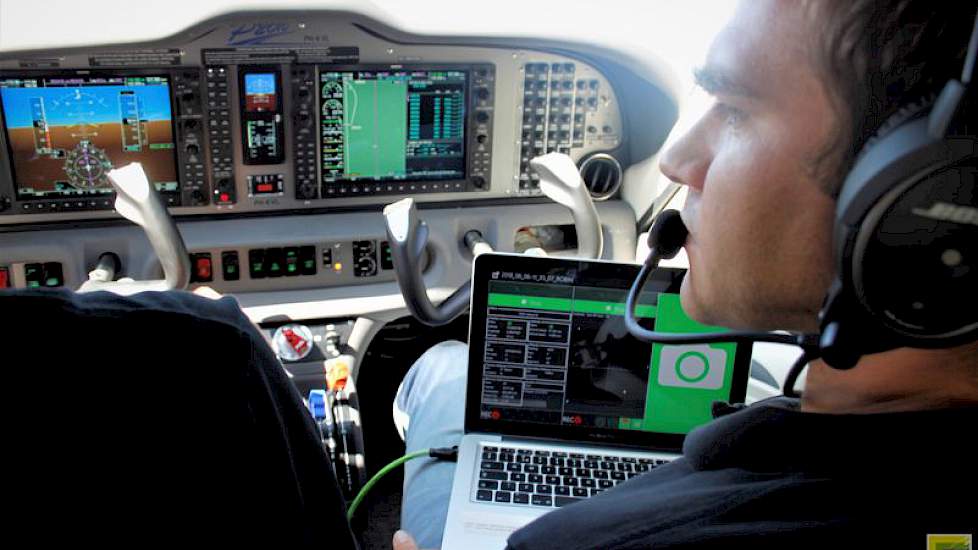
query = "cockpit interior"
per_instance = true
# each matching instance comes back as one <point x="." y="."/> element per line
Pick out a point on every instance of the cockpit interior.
<point x="366" y="192"/>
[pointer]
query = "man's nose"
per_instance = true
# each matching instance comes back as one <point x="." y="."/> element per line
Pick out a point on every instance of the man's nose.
<point x="685" y="162"/>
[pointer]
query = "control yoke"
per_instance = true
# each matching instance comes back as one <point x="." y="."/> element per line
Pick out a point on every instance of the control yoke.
<point x="407" y="234"/>
<point x="561" y="181"/>
<point x="138" y="202"/>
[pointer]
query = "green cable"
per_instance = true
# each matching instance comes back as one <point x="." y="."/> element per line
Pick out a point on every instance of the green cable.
<point x="373" y="481"/>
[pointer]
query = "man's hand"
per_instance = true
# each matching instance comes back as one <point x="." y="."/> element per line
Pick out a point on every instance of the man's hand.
<point x="404" y="541"/>
<point x="207" y="292"/>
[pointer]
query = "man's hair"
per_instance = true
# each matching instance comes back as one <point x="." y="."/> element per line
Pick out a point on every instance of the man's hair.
<point x="876" y="56"/>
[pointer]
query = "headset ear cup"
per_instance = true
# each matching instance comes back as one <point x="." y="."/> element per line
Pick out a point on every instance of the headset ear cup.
<point x="916" y="257"/>
<point x="889" y="285"/>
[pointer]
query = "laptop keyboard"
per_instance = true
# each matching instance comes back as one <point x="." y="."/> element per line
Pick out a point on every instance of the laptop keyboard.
<point x="536" y="477"/>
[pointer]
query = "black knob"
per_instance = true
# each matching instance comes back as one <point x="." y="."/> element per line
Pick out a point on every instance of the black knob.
<point x="482" y="93"/>
<point x="193" y="149"/>
<point x="481" y="138"/>
<point x="306" y="191"/>
<point x="188" y="96"/>
<point x="190" y="124"/>
<point x="479" y="182"/>
<point x="482" y="117"/>
<point x="198" y="197"/>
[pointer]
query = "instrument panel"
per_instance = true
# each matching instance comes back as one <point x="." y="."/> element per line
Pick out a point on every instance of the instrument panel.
<point x="292" y="112"/>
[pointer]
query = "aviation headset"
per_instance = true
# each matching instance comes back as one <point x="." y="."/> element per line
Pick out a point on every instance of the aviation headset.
<point x="905" y="240"/>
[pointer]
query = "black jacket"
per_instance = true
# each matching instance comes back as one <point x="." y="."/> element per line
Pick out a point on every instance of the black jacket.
<point x="771" y="476"/>
<point x="159" y="420"/>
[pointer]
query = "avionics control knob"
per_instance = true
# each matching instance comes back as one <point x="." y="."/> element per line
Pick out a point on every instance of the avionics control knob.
<point x="365" y="267"/>
<point x="306" y="190"/>
<point x="482" y="93"/>
<point x="193" y="149"/>
<point x="482" y="117"/>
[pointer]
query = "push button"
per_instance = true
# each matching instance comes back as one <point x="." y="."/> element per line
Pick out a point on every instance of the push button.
<point x="4" y="276"/>
<point x="274" y="262"/>
<point x="386" y="256"/>
<point x="53" y="275"/>
<point x="33" y="275"/>
<point x="291" y="261"/>
<point x="256" y="263"/>
<point x="229" y="265"/>
<point x="307" y="260"/>
<point x="203" y="271"/>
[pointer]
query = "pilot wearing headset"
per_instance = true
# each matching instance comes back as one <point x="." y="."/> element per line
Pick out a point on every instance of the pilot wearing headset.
<point x="881" y="453"/>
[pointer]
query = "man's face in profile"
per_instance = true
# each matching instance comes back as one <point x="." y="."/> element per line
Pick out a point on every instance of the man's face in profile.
<point x="759" y="216"/>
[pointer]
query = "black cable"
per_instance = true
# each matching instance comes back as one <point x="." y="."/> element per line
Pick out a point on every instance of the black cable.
<point x="807" y="356"/>
<point x="790" y="339"/>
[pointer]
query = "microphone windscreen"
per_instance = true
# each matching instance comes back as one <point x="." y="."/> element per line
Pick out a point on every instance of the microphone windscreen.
<point x="668" y="234"/>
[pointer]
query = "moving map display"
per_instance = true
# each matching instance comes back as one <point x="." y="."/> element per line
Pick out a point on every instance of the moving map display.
<point x="392" y="125"/>
<point x="66" y="133"/>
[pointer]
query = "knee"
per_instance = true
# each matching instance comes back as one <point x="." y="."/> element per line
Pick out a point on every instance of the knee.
<point x="442" y="362"/>
<point x="440" y="371"/>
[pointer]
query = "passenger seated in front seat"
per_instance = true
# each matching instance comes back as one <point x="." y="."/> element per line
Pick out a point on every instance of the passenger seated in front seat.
<point x="880" y="455"/>
<point x="161" y="419"/>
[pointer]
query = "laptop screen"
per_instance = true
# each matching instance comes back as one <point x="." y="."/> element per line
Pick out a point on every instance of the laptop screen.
<point x="549" y="355"/>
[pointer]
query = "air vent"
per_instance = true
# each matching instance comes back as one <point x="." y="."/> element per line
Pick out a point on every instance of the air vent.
<point x="602" y="175"/>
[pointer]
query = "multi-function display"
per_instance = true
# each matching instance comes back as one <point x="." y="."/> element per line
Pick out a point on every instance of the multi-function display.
<point x="390" y="125"/>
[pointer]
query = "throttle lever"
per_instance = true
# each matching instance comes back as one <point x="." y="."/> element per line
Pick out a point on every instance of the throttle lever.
<point x="138" y="201"/>
<point x="561" y="181"/>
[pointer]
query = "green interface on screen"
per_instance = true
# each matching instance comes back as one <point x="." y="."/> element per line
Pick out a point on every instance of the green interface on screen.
<point x="375" y="133"/>
<point x="685" y="380"/>
<point x="393" y="125"/>
<point x="680" y="384"/>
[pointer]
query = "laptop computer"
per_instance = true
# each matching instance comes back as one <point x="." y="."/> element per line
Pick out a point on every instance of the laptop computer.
<point x="561" y="402"/>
